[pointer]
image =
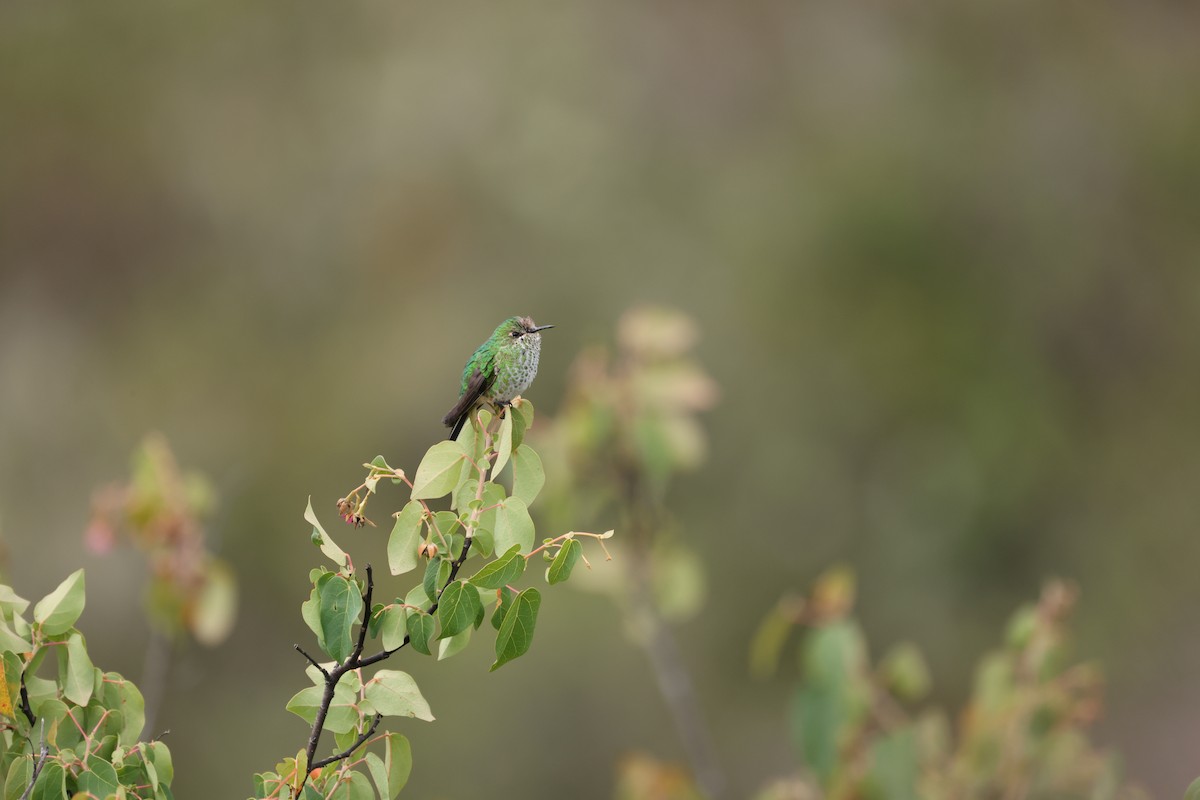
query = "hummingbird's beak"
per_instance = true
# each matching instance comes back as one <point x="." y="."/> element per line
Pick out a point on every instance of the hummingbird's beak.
<point x="541" y="328"/>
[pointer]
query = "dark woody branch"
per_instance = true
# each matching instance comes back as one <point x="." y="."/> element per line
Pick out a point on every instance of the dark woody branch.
<point x="356" y="661"/>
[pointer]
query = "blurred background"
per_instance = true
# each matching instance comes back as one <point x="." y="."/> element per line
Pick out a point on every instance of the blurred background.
<point x="951" y="253"/>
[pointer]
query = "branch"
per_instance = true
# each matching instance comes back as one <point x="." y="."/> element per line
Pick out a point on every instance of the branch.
<point x="657" y="640"/>
<point x="25" y="709"/>
<point x="41" y="762"/>
<point x="332" y="678"/>
<point x="454" y="567"/>
<point x="357" y="743"/>
<point x="356" y="661"/>
<point x="311" y="660"/>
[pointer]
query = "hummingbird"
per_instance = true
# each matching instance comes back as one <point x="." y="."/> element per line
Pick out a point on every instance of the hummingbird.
<point x="499" y="370"/>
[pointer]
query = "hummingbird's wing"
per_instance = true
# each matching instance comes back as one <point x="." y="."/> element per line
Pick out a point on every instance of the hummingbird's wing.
<point x="477" y="385"/>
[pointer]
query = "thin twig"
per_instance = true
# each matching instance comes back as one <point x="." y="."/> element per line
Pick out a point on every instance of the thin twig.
<point x="657" y="640"/>
<point x="357" y="743"/>
<point x="41" y="762"/>
<point x="312" y="660"/>
<point x="675" y="684"/>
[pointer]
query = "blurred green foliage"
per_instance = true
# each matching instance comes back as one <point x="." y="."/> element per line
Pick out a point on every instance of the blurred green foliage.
<point x="162" y="511"/>
<point x="861" y="733"/>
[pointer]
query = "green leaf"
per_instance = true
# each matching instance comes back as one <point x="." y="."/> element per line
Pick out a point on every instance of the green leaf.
<point x="51" y="783"/>
<point x="457" y="608"/>
<point x="769" y="639"/>
<point x="215" y="608"/>
<point x="528" y="475"/>
<point x="522" y="413"/>
<point x="506" y="598"/>
<point x="471" y="442"/>
<point x="99" y="779"/>
<point x="895" y="768"/>
<point x="353" y="786"/>
<point x="817" y="721"/>
<point x="378" y="774"/>
<point x="59" y="729"/>
<point x="420" y="631"/>
<point x="374" y="620"/>
<point x="10" y="602"/>
<point x="445" y="524"/>
<point x="11" y="643"/>
<point x="504" y="444"/>
<point x="564" y="561"/>
<point x="393" y="625"/>
<point x="397" y="758"/>
<point x="516" y="631"/>
<point x="416" y="597"/>
<point x="310" y="609"/>
<point x="395" y="694"/>
<point x="160" y="756"/>
<point x="343" y="740"/>
<point x="513" y="526"/>
<point x="19" y="773"/>
<point x="373" y="478"/>
<point x="406" y="535"/>
<point x="328" y="546"/>
<point x="80" y="674"/>
<point x="834" y="697"/>
<point x="436" y="575"/>
<point x="58" y="611"/>
<point x="342" y="713"/>
<point x="439" y="471"/>
<point x="453" y="645"/>
<point x="905" y="672"/>
<point x="341" y="605"/>
<point x="501" y="572"/>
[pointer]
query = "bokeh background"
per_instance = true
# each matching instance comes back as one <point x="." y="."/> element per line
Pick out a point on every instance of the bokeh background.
<point x="946" y="263"/>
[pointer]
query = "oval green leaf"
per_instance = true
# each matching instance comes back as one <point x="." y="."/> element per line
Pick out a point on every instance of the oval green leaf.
<point x="395" y="694"/>
<point x="439" y="471"/>
<point x="504" y="443"/>
<point x="406" y="535"/>
<point x="457" y="608"/>
<point x="564" y="561"/>
<point x="528" y="475"/>
<point x="516" y="631"/>
<point x="59" y="610"/>
<point x="501" y="572"/>
<point x="514" y="526"/>
<point x="340" y="606"/>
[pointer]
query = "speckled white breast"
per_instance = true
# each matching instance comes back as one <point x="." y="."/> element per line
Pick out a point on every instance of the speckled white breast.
<point x="516" y="367"/>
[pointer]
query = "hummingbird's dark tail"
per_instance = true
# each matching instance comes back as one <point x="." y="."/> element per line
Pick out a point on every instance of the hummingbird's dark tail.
<point x="477" y="385"/>
<point x="458" y="425"/>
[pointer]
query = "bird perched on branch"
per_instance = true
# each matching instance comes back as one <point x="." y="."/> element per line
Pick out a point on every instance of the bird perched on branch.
<point x="502" y="368"/>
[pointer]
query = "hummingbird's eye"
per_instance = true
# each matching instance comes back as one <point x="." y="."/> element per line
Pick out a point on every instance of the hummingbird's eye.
<point x="515" y="334"/>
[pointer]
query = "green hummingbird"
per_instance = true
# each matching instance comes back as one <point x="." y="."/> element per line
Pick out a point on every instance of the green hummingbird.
<point x="499" y="370"/>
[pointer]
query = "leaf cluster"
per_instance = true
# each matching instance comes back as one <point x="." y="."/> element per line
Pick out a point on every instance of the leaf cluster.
<point x="161" y="510"/>
<point x="69" y="729"/>
<point x="487" y="522"/>
<point x="861" y="732"/>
